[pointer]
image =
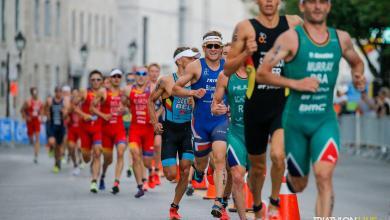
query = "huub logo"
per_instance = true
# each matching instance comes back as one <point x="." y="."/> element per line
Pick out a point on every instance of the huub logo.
<point x="262" y="38"/>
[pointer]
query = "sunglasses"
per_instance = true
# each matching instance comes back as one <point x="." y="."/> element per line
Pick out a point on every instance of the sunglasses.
<point x="215" y="46"/>
<point x="130" y="80"/>
<point x="96" y="79"/>
<point x="117" y="76"/>
<point x="139" y="73"/>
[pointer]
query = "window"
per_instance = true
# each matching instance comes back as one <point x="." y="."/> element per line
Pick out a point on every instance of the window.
<point x="81" y="20"/>
<point x="36" y="75"/>
<point x="89" y="32"/>
<point x="96" y="30"/>
<point x="57" y="76"/>
<point x="17" y="5"/>
<point x="47" y="81"/>
<point x="111" y="32"/>
<point x="73" y="22"/>
<point x="103" y="31"/>
<point x="58" y="19"/>
<point x="2" y="17"/>
<point x="36" y="18"/>
<point x="47" y="18"/>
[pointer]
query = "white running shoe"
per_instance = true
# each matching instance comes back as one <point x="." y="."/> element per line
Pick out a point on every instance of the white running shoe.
<point x="76" y="171"/>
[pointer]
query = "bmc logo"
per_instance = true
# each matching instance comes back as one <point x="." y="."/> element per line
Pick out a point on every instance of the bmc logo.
<point x="262" y="38"/>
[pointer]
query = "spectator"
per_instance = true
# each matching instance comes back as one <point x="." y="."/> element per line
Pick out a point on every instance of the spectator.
<point x="366" y="105"/>
<point x="383" y="102"/>
<point x="340" y="101"/>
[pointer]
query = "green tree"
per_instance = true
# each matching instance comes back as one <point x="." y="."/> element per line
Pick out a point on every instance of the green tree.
<point x="358" y="17"/>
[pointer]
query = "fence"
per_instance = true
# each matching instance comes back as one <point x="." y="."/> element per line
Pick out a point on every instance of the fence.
<point x="366" y="136"/>
<point x="14" y="131"/>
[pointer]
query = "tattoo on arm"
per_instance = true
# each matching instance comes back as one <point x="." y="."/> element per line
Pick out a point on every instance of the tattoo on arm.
<point x="276" y="52"/>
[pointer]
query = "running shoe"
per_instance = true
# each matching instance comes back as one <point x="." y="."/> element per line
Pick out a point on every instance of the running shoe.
<point x="35" y="160"/>
<point x="198" y="176"/>
<point x="273" y="214"/>
<point x="151" y="182"/>
<point x="102" y="185"/>
<point x="93" y="187"/>
<point x="51" y="152"/>
<point x="145" y="186"/>
<point x="156" y="179"/>
<point x="225" y="215"/>
<point x="115" y="188"/>
<point x="56" y="169"/>
<point x="190" y="190"/>
<point x="139" y="194"/>
<point x="129" y="173"/>
<point x="63" y="161"/>
<point x="76" y="171"/>
<point x="173" y="214"/>
<point x="216" y="211"/>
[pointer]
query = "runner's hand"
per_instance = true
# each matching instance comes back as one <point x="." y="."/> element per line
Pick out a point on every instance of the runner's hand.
<point x="199" y="93"/>
<point x="158" y="128"/>
<point x="308" y="84"/>
<point x="107" y="117"/>
<point x="219" y="109"/>
<point x="359" y="81"/>
<point x="87" y="117"/>
<point x="251" y="46"/>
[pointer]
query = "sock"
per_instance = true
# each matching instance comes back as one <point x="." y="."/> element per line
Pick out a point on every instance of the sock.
<point x="173" y="205"/>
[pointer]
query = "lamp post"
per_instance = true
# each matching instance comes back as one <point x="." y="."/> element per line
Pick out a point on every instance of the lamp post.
<point x="20" y="43"/>
<point x="84" y="53"/>
<point x="132" y="49"/>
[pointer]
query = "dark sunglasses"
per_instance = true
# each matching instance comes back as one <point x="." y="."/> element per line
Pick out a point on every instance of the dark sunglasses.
<point x="117" y="76"/>
<point x="130" y="80"/>
<point x="215" y="46"/>
<point x="141" y="73"/>
<point x="96" y="79"/>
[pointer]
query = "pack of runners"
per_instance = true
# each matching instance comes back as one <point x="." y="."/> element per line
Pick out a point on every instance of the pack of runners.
<point x="219" y="111"/>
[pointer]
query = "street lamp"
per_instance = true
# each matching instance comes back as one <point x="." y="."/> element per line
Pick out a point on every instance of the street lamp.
<point x="20" y="42"/>
<point x="132" y="50"/>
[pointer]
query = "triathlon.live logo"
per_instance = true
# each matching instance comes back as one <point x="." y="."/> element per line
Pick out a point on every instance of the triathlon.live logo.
<point x="353" y="218"/>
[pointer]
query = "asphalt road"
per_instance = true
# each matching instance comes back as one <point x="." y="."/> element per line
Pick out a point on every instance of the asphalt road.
<point x="29" y="191"/>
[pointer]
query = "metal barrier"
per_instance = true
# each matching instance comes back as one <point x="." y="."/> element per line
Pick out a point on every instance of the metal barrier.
<point x="366" y="136"/>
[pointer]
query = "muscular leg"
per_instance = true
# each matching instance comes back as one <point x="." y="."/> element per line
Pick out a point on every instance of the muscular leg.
<point x="256" y="178"/>
<point x="323" y="172"/>
<point x="137" y="162"/>
<point x="278" y="165"/>
<point x="96" y="151"/>
<point x="238" y="174"/>
<point x="72" y="152"/>
<point x="157" y="151"/>
<point x="107" y="160"/>
<point x="36" y="145"/>
<point x="184" y="167"/>
<point x="220" y="174"/>
<point x="119" y="163"/>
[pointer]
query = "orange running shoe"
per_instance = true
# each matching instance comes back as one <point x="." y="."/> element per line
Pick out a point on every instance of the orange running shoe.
<point x="173" y="215"/>
<point x="151" y="182"/>
<point x="225" y="215"/>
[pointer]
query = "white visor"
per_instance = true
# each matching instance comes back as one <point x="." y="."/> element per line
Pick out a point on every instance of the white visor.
<point x="212" y="39"/>
<point x="66" y="89"/>
<point x="187" y="53"/>
<point x="116" y="72"/>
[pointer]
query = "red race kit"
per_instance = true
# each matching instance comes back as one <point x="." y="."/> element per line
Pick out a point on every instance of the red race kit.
<point x="141" y="131"/>
<point x="90" y="131"/>
<point x="33" y="110"/>
<point x="113" y="130"/>
<point x="73" y="125"/>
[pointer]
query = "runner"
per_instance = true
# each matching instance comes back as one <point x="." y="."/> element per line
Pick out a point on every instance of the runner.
<point x="312" y="53"/>
<point x="175" y="128"/>
<point x="55" y="113"/>
<point x="90" y="135"/>
<point x="31" y="111"/>
<point x="154" y="72"/>
<point x="73" y="135"/>
<point x="113" y="132"/>
<point x="130" y="80"/>
<point x="263" y="104"/>
<point x="209" y="131"/>
<point x="66" y="96"/>
<point x="141" y="131"/>
<point x="235" y="87"/>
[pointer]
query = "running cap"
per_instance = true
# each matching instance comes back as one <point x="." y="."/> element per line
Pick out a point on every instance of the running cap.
<point x="301" y="1"/>
<point x="187" y="53"/>
<point x="116" y="72"/>
<point x="66" y="88"/>
<point x="212" y="39"/>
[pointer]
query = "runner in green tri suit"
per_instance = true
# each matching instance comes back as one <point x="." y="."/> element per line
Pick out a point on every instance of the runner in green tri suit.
<point x="237" y="156"/>
<point x="312" y="53"/>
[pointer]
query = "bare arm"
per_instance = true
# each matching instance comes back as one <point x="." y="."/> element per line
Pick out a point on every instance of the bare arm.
<point x="98" y="99"/>
<point x="282" y="49"/>
<point x="351" y="56"/>
<point x="156" y="94"/>
<point x="23" y="110"/>
<point x="294" y="20"/>
<point x="76" y="102"/>
<point x="243" y="45"/>
<point x="190" y="75"/>
<point x="217" y="106"/>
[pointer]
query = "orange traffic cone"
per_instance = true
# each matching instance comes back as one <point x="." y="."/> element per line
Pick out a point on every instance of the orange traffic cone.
<point x="199" y="186"/>
<point x="210" y="175"/>
<point x="289" y="209"/>
<point x="211" y="193"/>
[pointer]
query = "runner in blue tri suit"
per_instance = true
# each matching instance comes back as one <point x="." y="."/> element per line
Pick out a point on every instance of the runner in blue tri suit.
<point x="209" y="131"/>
